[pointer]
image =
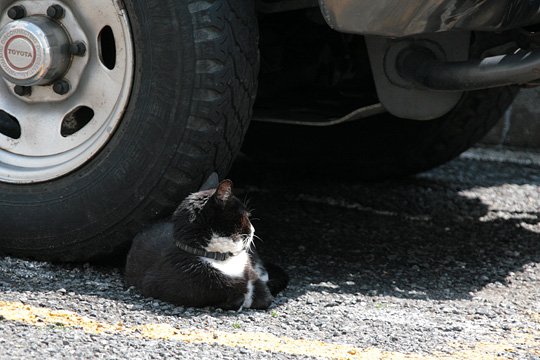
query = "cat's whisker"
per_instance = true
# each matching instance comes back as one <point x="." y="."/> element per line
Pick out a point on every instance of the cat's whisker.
<point x="248" y="242"/>
<point x="258" y="237"/>
<point x="246" y="200"/>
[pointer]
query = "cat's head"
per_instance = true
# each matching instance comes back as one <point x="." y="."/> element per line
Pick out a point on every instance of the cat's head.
<point x="214" y="220"/>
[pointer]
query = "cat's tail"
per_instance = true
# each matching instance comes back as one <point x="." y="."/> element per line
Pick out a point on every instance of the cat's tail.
<point x="277" y="278"/>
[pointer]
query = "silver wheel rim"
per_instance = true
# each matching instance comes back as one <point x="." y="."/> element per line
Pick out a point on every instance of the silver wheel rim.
<point x="58" y="133"/>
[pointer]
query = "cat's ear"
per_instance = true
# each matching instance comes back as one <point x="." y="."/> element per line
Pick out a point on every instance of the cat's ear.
<point x="224" y="190"/>
<point x="211" y="183"/>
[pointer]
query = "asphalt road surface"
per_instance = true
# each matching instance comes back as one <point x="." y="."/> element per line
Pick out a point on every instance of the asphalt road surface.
<point x="442" y="265"/>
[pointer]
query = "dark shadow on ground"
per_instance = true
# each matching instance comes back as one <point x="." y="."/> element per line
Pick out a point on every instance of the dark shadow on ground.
<point x="419" y="238"/>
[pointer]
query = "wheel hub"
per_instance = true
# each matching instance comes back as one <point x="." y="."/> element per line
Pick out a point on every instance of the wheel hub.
<point x="33" y="51"/>
<point x="66" y="74"/>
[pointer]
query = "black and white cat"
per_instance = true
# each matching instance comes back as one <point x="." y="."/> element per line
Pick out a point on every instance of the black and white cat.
<point x="203" y="256"/>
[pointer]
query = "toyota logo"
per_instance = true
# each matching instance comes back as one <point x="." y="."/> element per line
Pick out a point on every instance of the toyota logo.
<point x="20" y="53"/>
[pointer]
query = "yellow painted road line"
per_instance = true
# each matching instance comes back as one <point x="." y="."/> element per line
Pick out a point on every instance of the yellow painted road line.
<point x="36" y="316"/>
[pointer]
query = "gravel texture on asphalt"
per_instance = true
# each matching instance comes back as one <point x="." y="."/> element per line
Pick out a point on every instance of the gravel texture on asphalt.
<point x="446" y="263"/>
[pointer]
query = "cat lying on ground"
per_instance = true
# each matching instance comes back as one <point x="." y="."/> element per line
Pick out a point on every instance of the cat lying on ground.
<point x="203" y="256"/>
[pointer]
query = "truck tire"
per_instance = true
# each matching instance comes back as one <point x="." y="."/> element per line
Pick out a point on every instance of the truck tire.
<point x="383" y="146"/>
<point x="194" y="69"/>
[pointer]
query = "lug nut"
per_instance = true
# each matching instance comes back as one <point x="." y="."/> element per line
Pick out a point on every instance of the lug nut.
<point x="56" y="12"/>
<point x="17" y="12"/>
<point x="23" y="90"/>
<point x="77" y="48"/>
<point x="61" y="87"/>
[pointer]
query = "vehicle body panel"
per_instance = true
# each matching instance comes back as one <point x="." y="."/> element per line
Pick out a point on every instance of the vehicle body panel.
<point x="397" y="18"/>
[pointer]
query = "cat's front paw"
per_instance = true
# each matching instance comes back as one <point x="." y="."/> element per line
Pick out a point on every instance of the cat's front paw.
<point x="262" y="303"/>
<point x="262" y="298"/>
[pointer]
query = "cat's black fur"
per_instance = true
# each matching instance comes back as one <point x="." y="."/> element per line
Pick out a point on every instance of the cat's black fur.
<point x="214" y="221"/>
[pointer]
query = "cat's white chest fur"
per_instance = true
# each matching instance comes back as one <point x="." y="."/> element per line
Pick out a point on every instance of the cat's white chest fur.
<point x="224" y="244"/>
<point x="234" y="266"/>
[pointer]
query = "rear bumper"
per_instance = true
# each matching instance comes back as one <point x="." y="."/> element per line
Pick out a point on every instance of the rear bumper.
<point x="397" y="18"/>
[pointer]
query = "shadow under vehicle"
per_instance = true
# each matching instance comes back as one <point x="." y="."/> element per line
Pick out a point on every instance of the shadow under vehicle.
<point x="111" y="111"/>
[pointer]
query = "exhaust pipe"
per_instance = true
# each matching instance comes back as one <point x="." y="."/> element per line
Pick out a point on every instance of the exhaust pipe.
<point x="421" y="67"/>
